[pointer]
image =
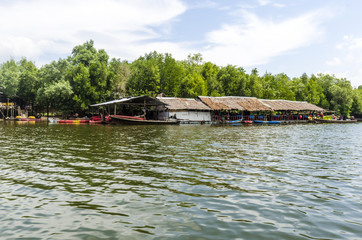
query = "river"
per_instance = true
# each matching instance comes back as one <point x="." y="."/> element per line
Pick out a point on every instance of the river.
<point x="180" y="182"/>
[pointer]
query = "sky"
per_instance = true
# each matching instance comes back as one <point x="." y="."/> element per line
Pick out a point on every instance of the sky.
<point x="274" y="36"/>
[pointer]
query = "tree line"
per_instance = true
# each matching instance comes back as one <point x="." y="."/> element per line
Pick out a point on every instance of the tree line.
<point x="89" y="76"/>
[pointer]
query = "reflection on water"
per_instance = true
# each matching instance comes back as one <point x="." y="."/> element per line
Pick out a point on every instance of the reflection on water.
<point x="184" y="182"/>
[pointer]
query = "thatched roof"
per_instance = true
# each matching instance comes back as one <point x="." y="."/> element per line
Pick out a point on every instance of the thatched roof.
<point x="250" y="104"/>
<point x="183" y="104"/>
<point x="287" y="105"/>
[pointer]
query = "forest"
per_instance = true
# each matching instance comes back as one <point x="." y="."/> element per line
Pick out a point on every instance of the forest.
<point x="89" y="76"/>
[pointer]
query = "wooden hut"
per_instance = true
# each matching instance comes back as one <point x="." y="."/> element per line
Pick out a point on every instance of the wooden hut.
<point x="145" y="106"/>
<point x="292" y="110"/>
<point x="234" y="108"/>
<point x="186" y="110"/>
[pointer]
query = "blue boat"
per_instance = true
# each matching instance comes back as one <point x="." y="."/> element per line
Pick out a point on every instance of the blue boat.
<point x="266" y="122"/>
<point x="273" y="122"/>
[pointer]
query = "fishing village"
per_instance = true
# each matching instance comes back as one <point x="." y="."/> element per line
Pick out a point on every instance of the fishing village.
<point x="160" y="110"/>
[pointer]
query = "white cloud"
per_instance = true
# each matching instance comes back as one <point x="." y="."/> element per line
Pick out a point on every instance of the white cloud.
<point x="269" y="2"/>
<point x="334" y="62"/>
<point x="35" y="27"/>
<point x="264" y="2"/>
<point x="258" y="40"/>
<point x="350" y="60"/>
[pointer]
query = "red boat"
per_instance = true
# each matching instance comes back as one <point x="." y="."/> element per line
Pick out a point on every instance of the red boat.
<point x="95" y="122"/>
<point x="140" y="121"/>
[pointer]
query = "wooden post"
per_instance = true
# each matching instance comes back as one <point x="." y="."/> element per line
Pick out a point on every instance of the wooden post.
<point x="7" y="108"/>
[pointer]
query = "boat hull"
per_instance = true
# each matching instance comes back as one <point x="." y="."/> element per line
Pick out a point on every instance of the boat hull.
<point x="334" y="121"/>
<point x="74" y="121"/>
<point x="135" y="121"/>
<point x="267" y="122"/>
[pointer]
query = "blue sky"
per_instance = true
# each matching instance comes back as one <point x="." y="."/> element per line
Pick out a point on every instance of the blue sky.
<point x="277" y="36"/>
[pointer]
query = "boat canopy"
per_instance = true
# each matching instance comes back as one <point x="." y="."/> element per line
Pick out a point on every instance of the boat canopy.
<point x="138" y="101"/>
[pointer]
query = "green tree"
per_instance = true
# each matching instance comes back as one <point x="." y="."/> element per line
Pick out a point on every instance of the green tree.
<point x="89" y="76"/>
<point x="145" y="77"/>
<point x="233" y="80"/>
<point x="254" y="87"/>
<point x="341" y="97"/>
<point x="171" y="74"/>
<point x="28" y="82"/>
<point x="357" y="101"/>
<point x="209" y="73"/>
<point x="121" y="72"/>
<point x="55" y="91"/>
<point x="192" y="85"/>
<point x="283" y="87"/>
<point x="9" y="78"/>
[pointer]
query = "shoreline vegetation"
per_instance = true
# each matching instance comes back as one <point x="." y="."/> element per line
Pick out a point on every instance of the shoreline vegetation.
<point x="88" y="76"/>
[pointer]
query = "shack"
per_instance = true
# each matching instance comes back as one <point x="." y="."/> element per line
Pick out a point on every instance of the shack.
<point x="145" y="106"/>
<point x="233" y="108"/>
<point x="291" y="111"/>
<point x="186" y="110"/>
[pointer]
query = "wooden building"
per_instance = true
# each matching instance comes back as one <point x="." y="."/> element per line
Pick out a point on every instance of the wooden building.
<point x="286" y="110"/>
<point x="186" y="110"/>
<point x="234" y="108"/>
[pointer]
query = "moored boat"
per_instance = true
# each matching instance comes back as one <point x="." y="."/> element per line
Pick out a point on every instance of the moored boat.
<point x="75" y="121"/>
<point x="335" y="121"/>
<point x="30" y="119"/>
<point x="95" y="121"/>
<point x="248" y="122"/>
<point x="267" y="122"/>
<point x="140" y="121"/>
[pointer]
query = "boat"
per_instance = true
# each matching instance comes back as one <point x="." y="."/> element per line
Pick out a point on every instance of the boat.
<point x="134" y="120"/>
<point x="74" y="121"/>
<point x="335" y="121"/>
<point x="95" y="121"/>
<point x="30" y="119"/>
<point x="273" y="122"/>
<point x="248" y="122"/>
<point x="266" y="122"/>
<point x="236" y="122"/>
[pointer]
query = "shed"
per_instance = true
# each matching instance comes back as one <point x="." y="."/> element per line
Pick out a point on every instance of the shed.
<point x="186" y="109"/>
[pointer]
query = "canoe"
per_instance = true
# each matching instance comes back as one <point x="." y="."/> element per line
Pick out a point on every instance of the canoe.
<point x="273" y="122"/>
<point x="140" y="121"/>
<point x="30" y="120"/>
<point x="335" y="121"/>
<point x="74" y="121"/>
<point x="248" y="122"/>
<point x="266" y="122"/>
<point x="236" y="121"/>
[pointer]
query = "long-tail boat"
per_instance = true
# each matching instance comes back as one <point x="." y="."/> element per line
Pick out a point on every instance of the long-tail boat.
<point x="140" y="120"/>
<point x="335" y="121"/>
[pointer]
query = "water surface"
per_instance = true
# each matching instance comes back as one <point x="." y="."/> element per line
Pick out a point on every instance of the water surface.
<point x="180" y="182"/>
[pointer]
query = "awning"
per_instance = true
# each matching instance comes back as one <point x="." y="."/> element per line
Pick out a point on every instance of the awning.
<point x="135" y="101"/>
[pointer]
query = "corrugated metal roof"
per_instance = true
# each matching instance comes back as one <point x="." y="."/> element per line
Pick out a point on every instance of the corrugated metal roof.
<point x="132" y="100"/>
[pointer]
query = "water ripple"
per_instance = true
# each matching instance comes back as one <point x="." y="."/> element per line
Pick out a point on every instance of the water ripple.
<point x="184" y="182"/>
